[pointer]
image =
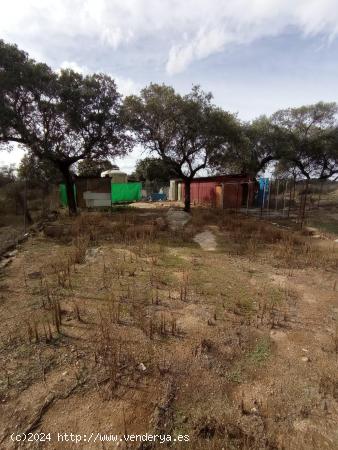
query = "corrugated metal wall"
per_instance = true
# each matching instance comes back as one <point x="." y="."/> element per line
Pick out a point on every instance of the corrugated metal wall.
<point x="232" y="195"/>
<point x="204" y="192"/>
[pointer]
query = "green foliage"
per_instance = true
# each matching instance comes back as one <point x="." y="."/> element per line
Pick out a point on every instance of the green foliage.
<point x="7" y="174"/>
<point x="310" y="135"/>
<point x="184" y="131"/>
<point x="152" y="169"/>
<point x="37" y="171"/>
<point x="61" y="117"/>
<point x="261" y="351"/>
<point x="92" y="167"/>
<point x="257" y="144"/>
<point x="235" y="375"/>
<point x="66" y="117"/>
<point x="303" y="140"/>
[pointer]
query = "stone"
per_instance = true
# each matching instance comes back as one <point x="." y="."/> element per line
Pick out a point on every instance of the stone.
<point x="177" y="219"/>
<point x="57" y="230"/>
<point x="4" y="262"/>
<point x="206" y="240"/>
<point x="161" y="223"/>
<point x="52" y="216"/>
<point x="91" y="253"/>
<point x="141" y="367"/>
<point x="34" y="275"/>
<point x="311" y="230"/>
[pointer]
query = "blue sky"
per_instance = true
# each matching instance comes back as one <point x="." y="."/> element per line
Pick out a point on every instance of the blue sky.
<point x="255" y="56"/>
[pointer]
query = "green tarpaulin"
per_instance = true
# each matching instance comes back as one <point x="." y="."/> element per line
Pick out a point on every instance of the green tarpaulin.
<point x="125" y="192"/>
<point x="63" y="194"/>
<point x="120" y="192"/>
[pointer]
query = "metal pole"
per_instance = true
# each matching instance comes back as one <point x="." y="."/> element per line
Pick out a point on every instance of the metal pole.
<point x="262" y="205"/>
<point x="300" y="196"/>
<point x="247" y="199"/>
<point x="268" y="201"/>
<point x="237" y="198"/>
<point x="304" y="205"/>
<point x="276" y="198"/>
<point x="25" y="208"/>
<point x="320" y="192"/>
<point x="285" y="189"/>
<point x="294" y="193"/>
<point x="290" y="201"/>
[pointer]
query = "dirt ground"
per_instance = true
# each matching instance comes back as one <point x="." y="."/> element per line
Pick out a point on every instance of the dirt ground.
<point x="118" y="325"/>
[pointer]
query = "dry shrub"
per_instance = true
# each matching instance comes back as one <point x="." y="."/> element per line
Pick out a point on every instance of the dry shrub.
<point x="114" y="357"/>
<point x="306" y="254"/>
<point x="211" y="216"/>
<point x="122" y="228"/>
<point x="229" y="431"/>
<point x="78" y="253"/>
<point x="290" y="248"/>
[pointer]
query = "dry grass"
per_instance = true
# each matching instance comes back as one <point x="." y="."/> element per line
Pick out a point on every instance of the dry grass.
<point x="128" y="307"/>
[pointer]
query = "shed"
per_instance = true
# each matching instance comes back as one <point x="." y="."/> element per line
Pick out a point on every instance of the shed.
<point x="221" y="191"/>
<point x="96" y="192"/>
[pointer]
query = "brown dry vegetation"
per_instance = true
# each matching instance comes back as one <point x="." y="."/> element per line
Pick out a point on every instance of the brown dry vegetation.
<point x="115" y="324"/>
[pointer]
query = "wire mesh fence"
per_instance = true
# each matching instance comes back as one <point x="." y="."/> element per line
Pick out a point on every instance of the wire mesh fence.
<point x="21" y="206"/>
<point x="297" y="200"/>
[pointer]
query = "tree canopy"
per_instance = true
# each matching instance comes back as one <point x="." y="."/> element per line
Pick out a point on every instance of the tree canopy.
<point x="93" y="167"/>
<point x="38" y="172"/>
<point x="7" y="174"/>
<point x="152" y="169"/>
<point x="61" y="117"/>
<point x="310" y="137"/>
<point x="67" y="118"/>
<point x="184" y="131"/>
<point x="255" y="146"/>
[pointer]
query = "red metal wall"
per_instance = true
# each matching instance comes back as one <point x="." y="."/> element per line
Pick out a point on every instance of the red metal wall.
<point x="203" y="193"/>
<point x="232" y="195"/>
<point x="203" y="190"/>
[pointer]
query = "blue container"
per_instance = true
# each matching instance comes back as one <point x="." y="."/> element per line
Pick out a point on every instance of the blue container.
<point x="264" y="184"/>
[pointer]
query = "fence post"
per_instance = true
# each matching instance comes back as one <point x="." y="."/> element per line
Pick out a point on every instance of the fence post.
<point x="290" y="197"/>
<point x="285" y="189"/>
<point x="237" y="197"/>
<point x="247" y="199"/>
<point x="263" y="199"/>
<point x="276" y="195"/>
<point x="304" y="205"/>
<point x="268" y="200"/>
<point x="320" y="192"/>
<point x="25" y="208"/>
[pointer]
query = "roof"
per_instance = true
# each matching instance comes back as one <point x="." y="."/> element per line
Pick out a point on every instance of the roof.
<point x="220" y="178"/>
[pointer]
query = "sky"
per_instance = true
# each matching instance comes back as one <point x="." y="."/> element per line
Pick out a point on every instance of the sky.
<point x="255" y="56"/>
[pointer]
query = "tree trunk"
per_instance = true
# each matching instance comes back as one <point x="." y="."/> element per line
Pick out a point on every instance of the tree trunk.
<point x="23" y="205"/>
<point x="187" y="183"/>
<point x="68" y="179"/>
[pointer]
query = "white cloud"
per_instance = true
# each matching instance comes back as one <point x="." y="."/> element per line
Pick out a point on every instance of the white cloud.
<point x="243" y="21"/>
<point x="125" y="85"/>
<point x="12" y="157"/>
<point x="74" y="66"/>
<point x="193" y="29"/>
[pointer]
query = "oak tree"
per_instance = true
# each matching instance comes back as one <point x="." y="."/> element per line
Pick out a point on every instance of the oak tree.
<point x="184" y="131"/>
<point x="61" y="117"/>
